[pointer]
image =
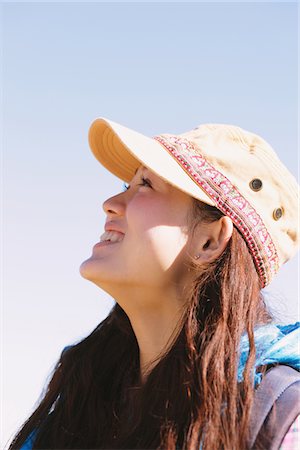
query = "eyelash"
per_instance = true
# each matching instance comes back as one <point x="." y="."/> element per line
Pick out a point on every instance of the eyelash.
<point x="144" y="181"/>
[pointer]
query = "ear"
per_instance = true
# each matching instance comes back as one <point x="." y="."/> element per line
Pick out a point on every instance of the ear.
<point x="213" y="239"/>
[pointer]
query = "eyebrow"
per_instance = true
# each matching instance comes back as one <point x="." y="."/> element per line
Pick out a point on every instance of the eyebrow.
<point x="143" y="167"/>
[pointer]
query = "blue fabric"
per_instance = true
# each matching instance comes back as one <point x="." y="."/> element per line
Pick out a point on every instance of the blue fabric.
<point x="274" y="344"/>
<point x="28" y="444"/>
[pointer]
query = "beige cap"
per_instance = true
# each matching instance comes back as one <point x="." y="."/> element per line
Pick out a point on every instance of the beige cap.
<point x="222" y="165"/>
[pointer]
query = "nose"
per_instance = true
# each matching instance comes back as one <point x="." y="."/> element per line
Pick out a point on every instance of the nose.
<point x="114" y="205"/>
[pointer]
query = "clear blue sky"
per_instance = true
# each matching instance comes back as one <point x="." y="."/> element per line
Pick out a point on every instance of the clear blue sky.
<point x="154" y="67"/>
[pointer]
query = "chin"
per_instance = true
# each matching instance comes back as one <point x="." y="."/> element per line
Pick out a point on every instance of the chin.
<point x="88" y="269"/>
<point x="91" y="270"/>
<point x="84" y="269"/>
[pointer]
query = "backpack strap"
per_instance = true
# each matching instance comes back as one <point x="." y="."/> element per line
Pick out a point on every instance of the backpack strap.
<point x="275" y="406"/>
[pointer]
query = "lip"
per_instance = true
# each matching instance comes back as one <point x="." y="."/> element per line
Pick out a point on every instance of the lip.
<point x="105" y="244"/>
<point x="110" y="226"/>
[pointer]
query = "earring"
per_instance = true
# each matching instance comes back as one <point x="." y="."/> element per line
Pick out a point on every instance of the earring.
<point x="197" y="256"/>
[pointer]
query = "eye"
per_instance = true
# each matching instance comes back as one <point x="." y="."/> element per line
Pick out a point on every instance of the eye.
<point x="145" y="182"/>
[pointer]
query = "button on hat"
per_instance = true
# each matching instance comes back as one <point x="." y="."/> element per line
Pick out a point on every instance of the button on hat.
<point x="256" y="184"/>
<point x="277" y="213"/>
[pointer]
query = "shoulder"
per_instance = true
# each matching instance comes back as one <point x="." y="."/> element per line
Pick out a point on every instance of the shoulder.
<point x="28" y="444"/>
<point x="292" y="438"/>
<point x="276" y="405"/>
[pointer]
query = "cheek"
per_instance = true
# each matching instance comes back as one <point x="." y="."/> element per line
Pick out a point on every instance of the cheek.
<point x="153" y="218"/>
<point x="170" y="239"/>
<point x="154" y="224"/>
<point x="143" y="213"/>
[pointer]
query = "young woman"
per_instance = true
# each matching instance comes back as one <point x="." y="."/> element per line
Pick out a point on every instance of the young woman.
<point x="209" y="218"/>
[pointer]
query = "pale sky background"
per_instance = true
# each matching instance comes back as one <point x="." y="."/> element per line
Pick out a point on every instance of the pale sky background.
<point x="154" y="67"/>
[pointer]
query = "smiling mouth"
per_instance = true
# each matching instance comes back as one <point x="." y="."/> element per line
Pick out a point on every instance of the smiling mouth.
<point x="112" y="236"/>
<point x="109" y="238"/>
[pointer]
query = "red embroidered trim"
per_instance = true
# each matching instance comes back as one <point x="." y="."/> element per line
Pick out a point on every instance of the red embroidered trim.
<point x="230" y="201"/>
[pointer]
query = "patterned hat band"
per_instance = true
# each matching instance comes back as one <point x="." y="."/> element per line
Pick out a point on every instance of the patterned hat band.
<point x="229" y="200"/>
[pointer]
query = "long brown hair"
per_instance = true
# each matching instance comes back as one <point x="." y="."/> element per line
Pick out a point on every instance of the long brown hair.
<point x="95" y="399"/>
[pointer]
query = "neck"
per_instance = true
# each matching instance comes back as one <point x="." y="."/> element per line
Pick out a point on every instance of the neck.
<point x="155" y="315"/>
<point x="155" y="332"/>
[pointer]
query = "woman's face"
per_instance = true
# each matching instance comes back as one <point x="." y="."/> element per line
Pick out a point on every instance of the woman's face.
<point x="153" y="217"/>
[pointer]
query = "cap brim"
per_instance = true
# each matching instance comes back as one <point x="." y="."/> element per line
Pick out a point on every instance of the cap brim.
<point x="122" y="150"/>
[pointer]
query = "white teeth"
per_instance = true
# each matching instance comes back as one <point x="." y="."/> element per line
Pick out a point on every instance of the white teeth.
<point x="113" y="236"/>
